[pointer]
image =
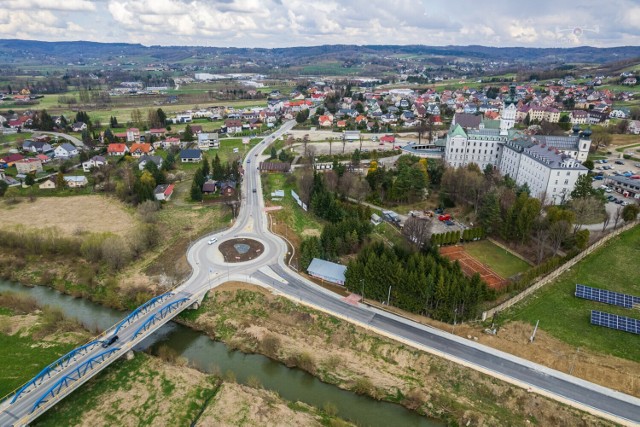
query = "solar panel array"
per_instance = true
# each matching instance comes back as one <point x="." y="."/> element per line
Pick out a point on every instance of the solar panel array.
<point x="607" y="297"/>
<point x="614" y="321"/>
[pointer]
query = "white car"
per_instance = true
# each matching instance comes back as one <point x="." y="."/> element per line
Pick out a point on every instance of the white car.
<point x="212" y="240"/>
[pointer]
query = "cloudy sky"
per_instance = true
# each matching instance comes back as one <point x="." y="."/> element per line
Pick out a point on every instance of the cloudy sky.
<point x="281" y="23"/>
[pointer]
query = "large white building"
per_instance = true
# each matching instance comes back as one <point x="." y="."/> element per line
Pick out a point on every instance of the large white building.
<point x="550" y="175"/>
<point x="472" y="139"/>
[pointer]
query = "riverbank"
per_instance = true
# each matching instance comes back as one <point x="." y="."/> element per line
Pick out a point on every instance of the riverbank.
<point x="147" y="390"/>
<point x="251" y="319"/>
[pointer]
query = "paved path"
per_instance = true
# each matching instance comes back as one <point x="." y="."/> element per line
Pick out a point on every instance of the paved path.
<point x="75" y="141"/>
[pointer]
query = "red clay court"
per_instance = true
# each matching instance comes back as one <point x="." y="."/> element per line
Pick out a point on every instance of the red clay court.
<point x="470" y="265"/>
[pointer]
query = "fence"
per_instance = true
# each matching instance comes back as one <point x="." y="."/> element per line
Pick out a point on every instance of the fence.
<point x="298" y="200"/>
<point x="556" y="273"/>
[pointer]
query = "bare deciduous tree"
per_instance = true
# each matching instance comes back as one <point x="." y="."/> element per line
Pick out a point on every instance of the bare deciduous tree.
<point x="587" y="210"/>
<point x="417" y="230"/>
<point x="305" y="184"/>
<point x="558" y="232"/>
<point x="607" y="219"/>
<point x="617" y="216"/>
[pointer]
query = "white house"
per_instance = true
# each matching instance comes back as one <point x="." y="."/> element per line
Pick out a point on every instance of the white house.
<point x="65" y="150"/>
<point x="207" y="141"/>
<point x="76" y="181"/>
<point x="94" y="162"/>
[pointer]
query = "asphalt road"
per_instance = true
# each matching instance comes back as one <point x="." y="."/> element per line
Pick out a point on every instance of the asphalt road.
<point x="210" y="270"/>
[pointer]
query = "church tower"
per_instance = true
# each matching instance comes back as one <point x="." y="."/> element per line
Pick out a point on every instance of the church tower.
<point x="508" y="115"/>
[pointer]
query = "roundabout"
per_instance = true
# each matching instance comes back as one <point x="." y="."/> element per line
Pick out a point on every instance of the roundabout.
<point x="240" y="249"/>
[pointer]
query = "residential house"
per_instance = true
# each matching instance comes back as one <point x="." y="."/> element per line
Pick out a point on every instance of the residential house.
<point x="79" y="127"/>
<point x="43" y="158"/>
<point x="196" y="129"/>
<point x="10" y="159"/>
<point x="172" y="142"/>
<point x="233" y="125"/>
<point x="209" y="187"/>
<point x="140" y="149"/>
<point x="579" y="117"/>
<point x="48" y="184"/>
<point x="65" y="150"/>
<point x="227" y="188"/>
<point x="207" y="141"/>
<point x="634" y="127"/>
<point x="630" y="81"/>
<point x="36" y="146"/>
<point x="94" y="162"/>
<point x="163" y="192"/>
<point x="325" y="121"/>
<point x="158" y="133"/>
<point x="77" y="181"/>
<point x="144" y="159"/>
<point x="29" y="165"/>
<point x="190" y="156"/>
<point x="133" y="135"/>
<point x="117" y="149"/>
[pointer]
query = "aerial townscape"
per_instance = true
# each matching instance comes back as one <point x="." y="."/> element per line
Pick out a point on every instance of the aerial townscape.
<point x="292" y="214"/>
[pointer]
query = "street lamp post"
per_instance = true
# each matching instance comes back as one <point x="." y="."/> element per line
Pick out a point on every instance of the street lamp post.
<point x="362" y="285"/>
<point x="389" y="296"/>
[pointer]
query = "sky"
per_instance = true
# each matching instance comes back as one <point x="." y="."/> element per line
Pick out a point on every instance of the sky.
<point x="284" y="23"/>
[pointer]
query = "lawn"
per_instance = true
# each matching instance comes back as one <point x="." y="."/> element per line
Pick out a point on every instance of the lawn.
<point x="297" y="219"/>
<point x="21" y="359"/>
<point x="561" y="314"/>
<point x="496" y="258"/>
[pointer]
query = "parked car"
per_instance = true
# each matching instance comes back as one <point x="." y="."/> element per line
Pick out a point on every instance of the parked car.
<point x="598" y="177"/>
<point x="611" y="198"/>
<point x="444" y="217"/>
<point x="618" y="201"/>
<point x="449" y="223"/>
<point x="625" y="203"/>
<point x="619" y="162"/>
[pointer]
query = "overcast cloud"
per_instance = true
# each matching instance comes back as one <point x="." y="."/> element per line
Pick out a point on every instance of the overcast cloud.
<point x="281" y="23"/>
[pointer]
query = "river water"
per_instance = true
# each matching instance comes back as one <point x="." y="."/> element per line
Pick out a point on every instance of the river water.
<point x="212" y="356"/>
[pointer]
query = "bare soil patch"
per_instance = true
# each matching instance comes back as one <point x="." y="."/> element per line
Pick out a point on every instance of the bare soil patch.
<point x="240" y="250"/>
<point x="71" y="215"/>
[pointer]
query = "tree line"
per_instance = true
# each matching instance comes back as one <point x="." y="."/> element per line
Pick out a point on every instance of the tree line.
<point x="420" y="282"/>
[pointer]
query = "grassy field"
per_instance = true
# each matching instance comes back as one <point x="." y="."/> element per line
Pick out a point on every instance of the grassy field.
<point x="561" y="314"/>
<point x="89" y="213"/>
<point x="303" y="223"/>
<point x="499" y="260"/>
<point x="617" y="139"/>
<point x="25" y="359"/>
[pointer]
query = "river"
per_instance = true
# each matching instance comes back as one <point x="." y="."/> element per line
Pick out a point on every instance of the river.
<point x="213" y="356"/>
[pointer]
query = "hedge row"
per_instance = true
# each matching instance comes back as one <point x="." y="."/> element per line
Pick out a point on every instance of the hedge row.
<point x="454" y="237"/>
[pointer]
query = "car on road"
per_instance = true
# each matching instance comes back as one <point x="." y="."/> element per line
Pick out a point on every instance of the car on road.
<point x="598" y="177"/>
<point x="212" y="240"/>
<point x="625" y="203"/>
<point x="611" y="198"/>
<point x="249" y="161"/>
<point x="254" y="190"/>
<point x="110" y="341"/>
<point x="256" y="154"/>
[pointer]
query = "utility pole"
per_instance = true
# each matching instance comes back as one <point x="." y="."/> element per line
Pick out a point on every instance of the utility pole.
<point x="533" y="335"/>
<point x="362" y="285"/>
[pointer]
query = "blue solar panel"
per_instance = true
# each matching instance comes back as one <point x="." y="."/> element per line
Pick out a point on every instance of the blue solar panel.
<point x="613" y="321"/>
<point x="607" y="297"/>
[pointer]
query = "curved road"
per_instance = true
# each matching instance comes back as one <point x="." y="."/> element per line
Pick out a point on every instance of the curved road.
<point x="269" y="269"/>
